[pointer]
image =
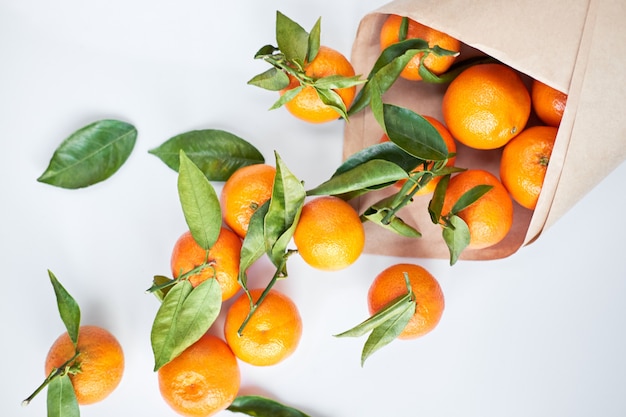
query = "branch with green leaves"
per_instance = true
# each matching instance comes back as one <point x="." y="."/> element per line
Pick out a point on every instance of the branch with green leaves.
<point x="61" y="398"/>
<point x="295" y="49"/>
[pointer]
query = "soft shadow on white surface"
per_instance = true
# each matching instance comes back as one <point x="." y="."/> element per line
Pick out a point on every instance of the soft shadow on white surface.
<point x="537" y="334"/>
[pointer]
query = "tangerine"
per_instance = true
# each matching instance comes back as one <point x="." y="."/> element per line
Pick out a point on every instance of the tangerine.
<point x="429" y="187"/>
<point x="549" y="103"/>
<point x="524" y="163"/>
<point x="271" y="335"/>
<point x="307" y="105"/>
<point x="222" y="260"/>
<point x="100" y="363"/>
<point x="329" y="234"/>
<point x="390" y="34"/>
<point x="390" y="284"/>
<point x="243" y="193"/>
<point x="203" y="380"/>
<point x="490" y="218"/>
<point x="486" y="105"/>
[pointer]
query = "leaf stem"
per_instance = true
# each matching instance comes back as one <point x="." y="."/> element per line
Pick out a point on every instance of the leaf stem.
<point x="55" y="373"/>
<point x="280" y="273"/>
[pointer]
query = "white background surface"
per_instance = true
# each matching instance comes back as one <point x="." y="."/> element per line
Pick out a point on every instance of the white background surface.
<point x="540" y="333"/>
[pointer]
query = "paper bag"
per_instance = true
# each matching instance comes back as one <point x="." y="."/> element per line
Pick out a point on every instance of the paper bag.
<point x="576" y="46"/>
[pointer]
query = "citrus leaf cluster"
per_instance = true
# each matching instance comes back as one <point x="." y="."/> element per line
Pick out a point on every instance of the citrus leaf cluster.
<point x="61" y="397"/>
<point x="295" y="47"/>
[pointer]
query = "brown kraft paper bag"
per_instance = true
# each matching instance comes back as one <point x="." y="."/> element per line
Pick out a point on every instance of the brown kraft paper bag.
<point x="577" y="46"/>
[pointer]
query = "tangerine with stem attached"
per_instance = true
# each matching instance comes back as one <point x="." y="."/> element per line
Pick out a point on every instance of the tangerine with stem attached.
<point x="221" y="261"/>
<point x="490" y="218"/>
<point x="271" y="334"/>
<point x="390" y="284"/>
<point x="203" y="380"/>
<point x="98" y="367"/>
<point x="524" y="163"/>
<point x="307" y="105"/>
<point x="390" y="34"/>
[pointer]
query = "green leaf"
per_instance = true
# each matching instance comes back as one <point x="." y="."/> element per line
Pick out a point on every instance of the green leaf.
<point x="292" y="39"/>
<point x="436" y="203"/>
<point x="388" y="331"/>
<point x="314" y="40"/>
<point x="185" y="314"/>
<point x="288" y="95"/>
<point x="253" y="246"/>
<point x="160" y="286"/>
<point x="257" y="406"/>
<point x="216" y="152"/>
<point x="61" y="398"/>
<point x="456" y="235"/>
<point x="395" y="224"/>
<point x="413" y="133"/>
<point x="200" y="203"/>
<point x="374" y="173"/>
<point x="337" y="81"/>
<point x="68" y="308"/>
<point x="284" y="209"/>
<point x="386" y="151"/>
<point x="392" y="310"/>
<point x="265" y="51"/>
<point x="470" y="197"/>
<point x="273" y="79"/>
<point x="333" y="100"/>
<point x="90" y="155"/>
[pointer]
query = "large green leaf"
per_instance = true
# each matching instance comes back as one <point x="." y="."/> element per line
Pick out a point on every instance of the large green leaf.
<point x="388" y="331"/>
<point x="185" y="314"/>
<point x="413" y="133"/>
<point x="257" y="406"/>
<point x="90" y="155"/>
<point x="370" y="174"/>
<point x="286" y="203"/>
<point x="61" y="398"/>
<point x="200" y="203"/>
<point x="387" y="151"/>
<point x="456" y="235"/>
<point x="253" y="246"/>
<point x="68" y="308"/>
<point x="216" y="152"/>
<point x="292" y="39"/>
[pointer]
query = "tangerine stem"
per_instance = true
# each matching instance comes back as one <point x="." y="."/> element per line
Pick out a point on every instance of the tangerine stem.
<point x="255" y="305"/>
<point x="56" y="372"/>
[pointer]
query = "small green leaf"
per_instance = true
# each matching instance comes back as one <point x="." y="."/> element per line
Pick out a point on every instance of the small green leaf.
<point x="413" y="133"/>
<point x="314" y="40"/>
<point x="160" y="286"/>
<point x="374" y="173"/>
<point x="292" y="39"/>
<point x="386" y="151"/>
<point x="288" y="95"/>
<point x="436" y="203"/>
<point x="216" y="152"/>
<point x="392" y="310"/>
<point x="388" y="331"/>
<point x="456" y="235"/>
<point x="68" y="308"/>
<point x="90" y="155"/>
<point x="185" y="314"/>
<point x="333" y="100"/>
<point x="253" y="246"/>
<point x="337" y="81"/>
<point x="273" y="79"/>
<point x="470" y="197"/>
<point x="395" y="224"/>
<point x="61" y="398"/>
<point x="265" y="51"/>
<point x="200" y="203"/>
<point x="257" y="406"/>
<point x="404" y="28"/>
<point x="284" y="209"/>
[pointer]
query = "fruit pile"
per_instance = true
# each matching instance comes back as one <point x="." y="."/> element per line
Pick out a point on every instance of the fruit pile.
<point x="263" y="209"/>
